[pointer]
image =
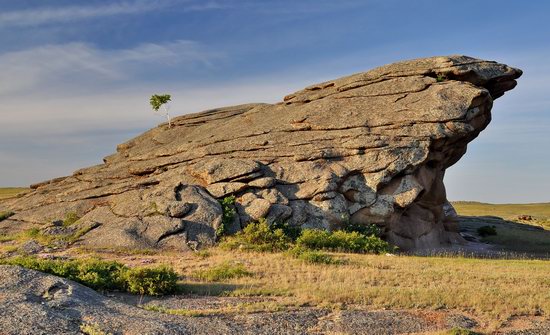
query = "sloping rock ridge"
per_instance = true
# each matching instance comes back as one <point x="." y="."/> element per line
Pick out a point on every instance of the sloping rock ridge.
<point x="371" y="148"/>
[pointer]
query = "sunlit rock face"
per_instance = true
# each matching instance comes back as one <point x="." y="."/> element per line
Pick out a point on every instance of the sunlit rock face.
<point x="371" y="148"/>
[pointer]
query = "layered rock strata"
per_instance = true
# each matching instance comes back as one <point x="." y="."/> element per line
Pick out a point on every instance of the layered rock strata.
<point x="371" y="148"/>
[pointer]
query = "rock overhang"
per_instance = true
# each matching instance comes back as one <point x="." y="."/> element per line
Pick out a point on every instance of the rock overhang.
<point x="368" y="148"/>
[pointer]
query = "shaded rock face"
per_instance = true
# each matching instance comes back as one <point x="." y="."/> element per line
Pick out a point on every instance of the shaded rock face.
<point x="369" y="148"/>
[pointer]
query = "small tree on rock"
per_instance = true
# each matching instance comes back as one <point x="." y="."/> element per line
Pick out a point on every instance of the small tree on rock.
<point x="161" y="100"/>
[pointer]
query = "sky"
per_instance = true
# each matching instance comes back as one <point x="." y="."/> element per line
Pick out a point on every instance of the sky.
<point x="76" y="76"/>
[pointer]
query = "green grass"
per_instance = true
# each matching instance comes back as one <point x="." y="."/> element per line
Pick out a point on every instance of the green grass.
<point x="313" y="256"/>
<point x="224" y="271"/>
<point x="10" y="192"/>
<point x="30" y="234"/>
<point x="70" y="219"/>
<point x="45" y="239"/>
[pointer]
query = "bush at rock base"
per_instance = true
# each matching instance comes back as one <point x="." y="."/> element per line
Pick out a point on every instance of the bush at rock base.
<point x="258" y="236"/>
<point x="262" y="237"/>
<point x="229" y="212"/>
<point x="104" y="275"/>
<point x="342" y="241"/>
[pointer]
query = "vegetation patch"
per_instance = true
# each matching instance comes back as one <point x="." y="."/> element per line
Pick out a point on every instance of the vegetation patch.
<point x="150" y="281"/>
<point x="262" y="237"/>
<point x="70" y="218"/>
<point x="228" y="209"/>
<point x="343" y="241"/>
<point x="367" y="230"/>
<point x="5" y="215"/>
<point x="292" y="232"/>
<point x="313" y="256"/>
<point x="203" y="254"/>
<point x="484" y="231"/>
<point x="258" y="236"/>
<point x="92" y="329"/>
<point x="30" y="234"/>
<point x="224" y="271"/>
<point x="246" y="307"/>
<point x="104" y="275"/>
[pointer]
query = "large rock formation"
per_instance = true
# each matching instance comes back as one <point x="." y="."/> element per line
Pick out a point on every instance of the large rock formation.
<point x="369" y="148"/>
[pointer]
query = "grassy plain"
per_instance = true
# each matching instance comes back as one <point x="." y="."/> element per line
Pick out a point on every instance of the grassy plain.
<point x="490" y="290"/>
<point x="539" y="211"/>
<point x="513" y="234"/>
<point x="10" y="192"/>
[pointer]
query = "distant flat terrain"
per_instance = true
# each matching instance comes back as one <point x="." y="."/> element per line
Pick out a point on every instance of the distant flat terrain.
<point x="505" y="211"/>
<point x="10" y="192"/>
<point x="523" y="228"/>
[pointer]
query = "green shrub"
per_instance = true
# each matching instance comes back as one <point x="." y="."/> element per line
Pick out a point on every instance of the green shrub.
<point x="292" y="232"/>
<point x="367" y="230"/>
<point x="312" y="256"/>
<point x="223" y="271"/>
<point x="100" y="275"/>
<point x="104" y="275"/>
<point x="70" y="218"/>
<point x="228" y="208"/>
<point x="441" y="77"/>
<point x="342" y="241"/>
<point x="486" y="231"/>
<point x="5" y="215"/>
<point x="152" y="281"/>
<point x="258" y="236"/>
<point x="97" y="274"/>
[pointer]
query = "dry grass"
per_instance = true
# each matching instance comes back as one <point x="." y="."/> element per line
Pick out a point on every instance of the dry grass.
<point x="241" y="308"/>
<point x="10" y="192"/>
<point x="490" y="289"/>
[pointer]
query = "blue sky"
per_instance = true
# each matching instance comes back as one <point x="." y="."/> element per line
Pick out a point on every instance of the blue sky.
<point x="76" y="75"/>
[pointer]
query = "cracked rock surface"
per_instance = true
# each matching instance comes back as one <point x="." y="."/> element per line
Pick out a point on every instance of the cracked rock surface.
<point x="371" y="148"/>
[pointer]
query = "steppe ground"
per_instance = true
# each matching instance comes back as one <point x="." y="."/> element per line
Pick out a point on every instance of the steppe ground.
<point x="8" y="192"/>
<point x="509" y="292"/>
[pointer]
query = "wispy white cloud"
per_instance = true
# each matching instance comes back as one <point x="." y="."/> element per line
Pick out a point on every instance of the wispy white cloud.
<point x="84" y="64"/>
<point x="46" y="15"/>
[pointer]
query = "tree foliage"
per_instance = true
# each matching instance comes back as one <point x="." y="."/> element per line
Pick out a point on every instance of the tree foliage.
<point x="157" y="100"/>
